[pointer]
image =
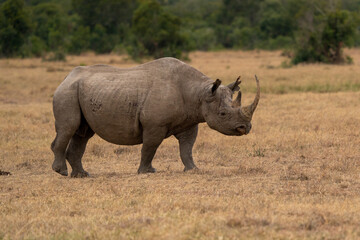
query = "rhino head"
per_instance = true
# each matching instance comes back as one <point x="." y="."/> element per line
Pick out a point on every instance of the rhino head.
<point x="225" y="115"/>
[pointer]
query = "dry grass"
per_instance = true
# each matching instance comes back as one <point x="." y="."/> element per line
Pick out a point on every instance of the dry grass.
<point x="297" y="175"/>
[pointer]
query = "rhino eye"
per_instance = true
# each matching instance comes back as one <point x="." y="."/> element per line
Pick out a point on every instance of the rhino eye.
<point x="222" y="113"/>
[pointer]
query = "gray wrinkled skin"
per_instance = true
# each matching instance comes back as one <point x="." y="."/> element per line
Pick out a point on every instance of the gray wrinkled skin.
<point x="143" y="104"/>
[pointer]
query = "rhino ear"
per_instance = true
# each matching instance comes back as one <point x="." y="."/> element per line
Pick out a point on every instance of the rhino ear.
<point x="235" y="85"/>
<point x="215" y="86"/>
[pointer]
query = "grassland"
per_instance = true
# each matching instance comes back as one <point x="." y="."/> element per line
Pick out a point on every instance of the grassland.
<point x="296" y="176"/>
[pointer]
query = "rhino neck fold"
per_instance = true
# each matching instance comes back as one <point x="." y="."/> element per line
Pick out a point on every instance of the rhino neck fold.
<point x="194" y="105"/>
<point x="199" y="118"/>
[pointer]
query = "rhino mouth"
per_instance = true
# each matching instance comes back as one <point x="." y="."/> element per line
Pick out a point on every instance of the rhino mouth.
<point x="242" y="130"/>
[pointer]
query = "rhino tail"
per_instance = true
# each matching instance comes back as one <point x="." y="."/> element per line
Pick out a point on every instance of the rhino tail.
<point x="137" y="123"/>
<point x="84" y="127"/>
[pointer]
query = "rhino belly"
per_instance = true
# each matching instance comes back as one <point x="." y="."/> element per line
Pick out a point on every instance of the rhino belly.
<point x="114" y="117"/>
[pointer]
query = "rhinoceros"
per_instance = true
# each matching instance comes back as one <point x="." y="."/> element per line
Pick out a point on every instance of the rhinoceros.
<point x="142" y="105"/>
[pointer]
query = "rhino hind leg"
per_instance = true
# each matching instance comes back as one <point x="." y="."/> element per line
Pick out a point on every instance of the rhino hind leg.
<point x="76" y="149"/>
<point x="58" y="147"/>
<point x="152" y="139"/>
<point x="147" y="155"/>
<point x="67" y="115"/>
<point x="186" y="142"/>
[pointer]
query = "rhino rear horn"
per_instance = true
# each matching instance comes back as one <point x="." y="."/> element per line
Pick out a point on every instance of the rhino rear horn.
<point x="237" y="102"/>
<point x="235" y="85"/>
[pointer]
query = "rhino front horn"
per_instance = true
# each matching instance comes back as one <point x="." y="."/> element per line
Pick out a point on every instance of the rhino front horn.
<point x="248" y="111"/>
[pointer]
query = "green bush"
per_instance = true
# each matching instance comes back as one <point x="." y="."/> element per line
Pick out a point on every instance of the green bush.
<point x="280" y="42"/>
<point x="325" y="44"/>
<point x="314" y="30"/>
<point x="34" y="47"/>
<point x="201" y="38"/>
<point x="49" y="24"/>
<point x="245" y="38"/>
<point x="308" y="50"/>
<point x="275" y="20"/>
<point x="338" y="32"/>
<point x="14" y="27"/>
<point x="100" y="41"/>
<point x="111" y="14"/>
<point x="58" y="55"/>
<point x="156" y="31"/>
<point x="80" y="40"/>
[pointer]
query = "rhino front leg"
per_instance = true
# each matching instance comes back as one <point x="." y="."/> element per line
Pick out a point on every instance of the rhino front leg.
<point x="186" y="143"/>
<point x="151" y="141"/>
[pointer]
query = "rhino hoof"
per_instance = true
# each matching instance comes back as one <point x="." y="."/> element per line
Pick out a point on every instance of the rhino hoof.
<point x="63" y="172"/>
<point x="194" y="168"/>
<point x="76" y="174"/>
<point x="146" y="170"/>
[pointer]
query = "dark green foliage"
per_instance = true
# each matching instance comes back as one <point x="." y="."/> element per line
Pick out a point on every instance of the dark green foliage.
<point x="232" y="9"/>
<point x="351" y="5"/>
<point x="203" y="38"/>
<point x="49" y="24"/>
<point x="315" y="31"/>
<point x="238" y="34"/>
<point x="108" y="22"/>
<point x="236" y="23"/>
<point x="275" y="20"/>
<point x="156" y="31"/>
<point x="99" y="40"/>
<point x="244" y="38"/>
<point x="111" y="14"/>
<point x="14" y="27"/>
<point x="57" y="55"/>
<point x="338" y="31"/>
<point x="333" y="31"/>
<point x="34" y="47"/>
<point x="197" y="20"/>
<point x="80" y="40"/>
<point x="309" y="51"/>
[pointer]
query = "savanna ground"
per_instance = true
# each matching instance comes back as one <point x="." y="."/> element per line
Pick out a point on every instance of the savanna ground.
<point x="295" y="176"/>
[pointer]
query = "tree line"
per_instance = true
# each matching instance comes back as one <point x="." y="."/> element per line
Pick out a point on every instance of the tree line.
<point x="310" y="30"/>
